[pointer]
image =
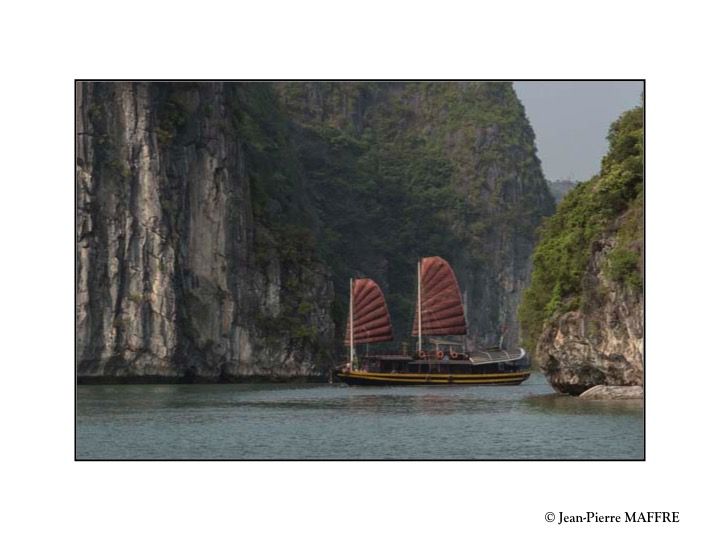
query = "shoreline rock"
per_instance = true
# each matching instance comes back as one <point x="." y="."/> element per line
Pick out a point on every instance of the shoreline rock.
<point x="602" y="391"/>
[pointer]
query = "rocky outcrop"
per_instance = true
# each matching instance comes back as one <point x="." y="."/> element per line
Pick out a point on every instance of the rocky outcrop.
<point x="600" y="344"/>
<point x="169" y="282"/>
<point x="583" y="313"/>
<point x="613" y="392"/>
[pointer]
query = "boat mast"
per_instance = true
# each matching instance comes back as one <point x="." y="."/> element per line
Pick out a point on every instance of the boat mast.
<point x="352" y="325"/>
<point x="465" y="314"/>
<point x="419" y="306"/>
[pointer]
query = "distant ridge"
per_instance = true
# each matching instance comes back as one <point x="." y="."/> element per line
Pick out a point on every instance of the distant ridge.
<point x="560" y="188"/>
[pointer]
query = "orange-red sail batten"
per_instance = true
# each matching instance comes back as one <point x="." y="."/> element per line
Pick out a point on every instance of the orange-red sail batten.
<point x="442" y="308"/>
<point x="371" y="319"/>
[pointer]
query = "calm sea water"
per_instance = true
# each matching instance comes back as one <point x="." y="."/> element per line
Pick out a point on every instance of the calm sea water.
<point x="312" y="421"/>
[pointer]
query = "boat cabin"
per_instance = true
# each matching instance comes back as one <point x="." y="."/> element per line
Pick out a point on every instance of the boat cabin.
<point x="442" y="363"/>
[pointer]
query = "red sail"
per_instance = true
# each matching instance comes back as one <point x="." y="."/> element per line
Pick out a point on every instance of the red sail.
<point x="442" y="307"/>
<point x="371" y="319"/>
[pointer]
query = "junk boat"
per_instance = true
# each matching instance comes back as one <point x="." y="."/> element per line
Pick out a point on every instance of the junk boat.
<point x="439" y="311"/>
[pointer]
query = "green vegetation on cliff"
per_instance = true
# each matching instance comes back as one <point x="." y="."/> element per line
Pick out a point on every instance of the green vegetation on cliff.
<point x="608" y="205"/>
<point x="397" y="171"/>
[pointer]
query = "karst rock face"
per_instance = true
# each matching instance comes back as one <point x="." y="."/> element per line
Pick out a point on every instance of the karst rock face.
<point x="601" y="344"/>
<point x="583" y="312"/>
<point x="217" y="223"/>
<point x="472" y="192"/>
<point x="169" y="281"/>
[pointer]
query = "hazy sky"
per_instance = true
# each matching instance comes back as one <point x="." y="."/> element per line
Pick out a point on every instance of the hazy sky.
<point x="571" y="121"/>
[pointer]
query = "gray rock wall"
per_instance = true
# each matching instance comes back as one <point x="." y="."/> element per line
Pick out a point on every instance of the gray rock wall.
<point x="167" y="279"/>
<point x="601" y="343"/>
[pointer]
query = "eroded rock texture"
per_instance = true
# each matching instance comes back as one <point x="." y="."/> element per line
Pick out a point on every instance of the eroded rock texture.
<point x="169" y="281"/>
<point x="600" y="344"/>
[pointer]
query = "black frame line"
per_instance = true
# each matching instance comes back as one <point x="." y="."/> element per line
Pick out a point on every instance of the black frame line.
<point x="75" y="381"/>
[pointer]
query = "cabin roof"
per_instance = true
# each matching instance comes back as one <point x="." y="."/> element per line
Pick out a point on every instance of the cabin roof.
<point x="476" y="357"/>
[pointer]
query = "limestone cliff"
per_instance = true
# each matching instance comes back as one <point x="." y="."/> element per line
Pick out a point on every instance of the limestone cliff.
<point x="176" y="276"/>
<point x="445" y="169"/>
<point x="218" y="223"/>
<point x="583" y="312"/>
<point x="601" y="343"/>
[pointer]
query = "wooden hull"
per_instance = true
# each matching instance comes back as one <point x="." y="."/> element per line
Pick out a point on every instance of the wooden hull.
<point x="431" y="379"/>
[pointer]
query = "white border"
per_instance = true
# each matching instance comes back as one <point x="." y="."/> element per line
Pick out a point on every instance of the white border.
<point x="47" y="494"/>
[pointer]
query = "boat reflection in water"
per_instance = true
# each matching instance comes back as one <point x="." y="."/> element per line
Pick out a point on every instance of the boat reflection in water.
<point x="439" y="311"/>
